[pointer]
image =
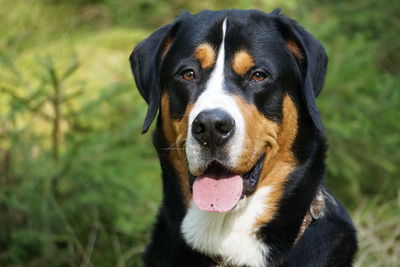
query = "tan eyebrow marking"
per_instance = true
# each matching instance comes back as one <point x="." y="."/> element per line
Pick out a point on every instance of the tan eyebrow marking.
<point x="242" y="62"/>
<point x="205" y="54"/>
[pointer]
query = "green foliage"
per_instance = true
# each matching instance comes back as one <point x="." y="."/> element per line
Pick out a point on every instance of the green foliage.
<point x="360" y="103"/>
<point x="69" y="184"/>
<point x="80" y="186"/>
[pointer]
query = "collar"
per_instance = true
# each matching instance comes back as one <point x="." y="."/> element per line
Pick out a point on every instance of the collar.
<point x="313" y="213"/>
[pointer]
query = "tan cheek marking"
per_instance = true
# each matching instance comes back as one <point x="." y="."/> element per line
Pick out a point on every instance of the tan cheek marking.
<point x="242" y="62"/>
<point x="293" y="47"/>
<point x="261" y="134"/>
<point x="176" y="132"/>
<point x="165" y="47"/>
<point x="205" y="54"/>
<point x="279" y="166"/>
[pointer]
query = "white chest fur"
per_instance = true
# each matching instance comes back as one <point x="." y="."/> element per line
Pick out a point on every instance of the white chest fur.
<point x="231" y="235"/>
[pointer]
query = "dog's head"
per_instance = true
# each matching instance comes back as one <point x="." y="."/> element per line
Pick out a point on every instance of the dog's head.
<point x="231" y="87"/>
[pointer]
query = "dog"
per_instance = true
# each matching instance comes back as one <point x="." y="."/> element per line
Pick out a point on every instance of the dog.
<point x="240" y="142"/>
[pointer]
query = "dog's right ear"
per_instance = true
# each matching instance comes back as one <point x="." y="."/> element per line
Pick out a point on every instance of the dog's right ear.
<point x="145" y="64"/>
<point x="312" y="61"/>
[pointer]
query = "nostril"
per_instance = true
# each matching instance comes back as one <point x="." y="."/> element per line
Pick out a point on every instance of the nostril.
<point x="225" y="126"/>
<point x="198" y="127"/>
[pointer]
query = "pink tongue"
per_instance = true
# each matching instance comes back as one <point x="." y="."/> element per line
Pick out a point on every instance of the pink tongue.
<point x="217" y="195"/>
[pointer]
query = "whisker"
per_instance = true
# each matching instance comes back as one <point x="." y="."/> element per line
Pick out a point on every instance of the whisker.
<point x="171" y="147"/>
<point x="168" y="149"/>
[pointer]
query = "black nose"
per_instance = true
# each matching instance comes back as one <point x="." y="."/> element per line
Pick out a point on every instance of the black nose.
<point x="212" y="128"/>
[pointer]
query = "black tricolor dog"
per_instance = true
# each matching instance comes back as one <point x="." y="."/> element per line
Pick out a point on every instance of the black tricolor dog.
<point x="241" y="143"/>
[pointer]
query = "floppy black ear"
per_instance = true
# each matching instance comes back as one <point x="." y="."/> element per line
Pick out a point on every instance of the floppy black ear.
<point x="145" y="64"/>
<point x="312" y="60"/>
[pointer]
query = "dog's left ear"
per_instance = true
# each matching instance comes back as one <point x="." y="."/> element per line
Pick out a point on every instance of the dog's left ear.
<point x="145" y="64"/>
<point x="312" y="59"/>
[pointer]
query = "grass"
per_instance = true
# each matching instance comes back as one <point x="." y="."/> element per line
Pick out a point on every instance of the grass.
<point x="378" y="233"/>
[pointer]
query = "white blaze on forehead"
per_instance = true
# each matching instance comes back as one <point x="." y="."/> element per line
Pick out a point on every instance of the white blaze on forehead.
<point x="215" y="96"/>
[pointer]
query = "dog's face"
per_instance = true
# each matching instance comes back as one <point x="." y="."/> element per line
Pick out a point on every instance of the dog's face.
<point x="230" y="86"/>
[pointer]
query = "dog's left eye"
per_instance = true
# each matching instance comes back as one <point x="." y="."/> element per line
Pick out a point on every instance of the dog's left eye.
<point x="258" y="76"/>
<point x="188" y="75"/>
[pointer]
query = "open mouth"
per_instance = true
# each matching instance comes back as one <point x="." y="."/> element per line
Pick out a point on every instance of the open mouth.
<point x="219" y="190"/>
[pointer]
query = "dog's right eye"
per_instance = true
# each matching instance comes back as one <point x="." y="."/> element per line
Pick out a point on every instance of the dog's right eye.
<point x="258" y="76"/>
<point x="188" y="75"/>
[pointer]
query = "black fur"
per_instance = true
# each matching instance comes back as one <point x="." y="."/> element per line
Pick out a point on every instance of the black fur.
<point x="329" y="241"/>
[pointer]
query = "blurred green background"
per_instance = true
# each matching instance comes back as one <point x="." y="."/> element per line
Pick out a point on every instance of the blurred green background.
<point x="79" y="185"/>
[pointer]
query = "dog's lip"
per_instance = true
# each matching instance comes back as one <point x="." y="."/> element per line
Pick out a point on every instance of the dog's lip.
<point x="250" y="178"/>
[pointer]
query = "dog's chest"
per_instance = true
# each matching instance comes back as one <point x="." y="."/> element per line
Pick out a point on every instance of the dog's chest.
<point x="230" y="236"/>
